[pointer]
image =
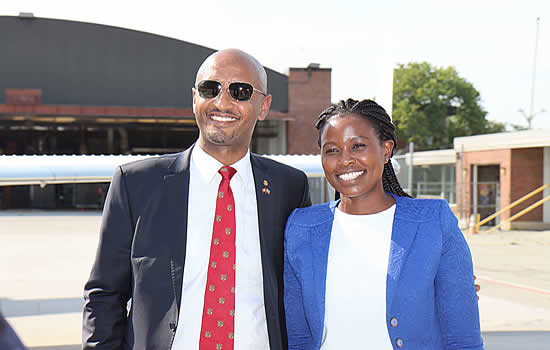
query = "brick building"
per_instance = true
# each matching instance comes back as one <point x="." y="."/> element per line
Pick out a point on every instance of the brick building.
<point x="517" y="162"/>
<point x="308" y="89"/>
<point x="70" y="87"/>
<point x="485" y="173"/>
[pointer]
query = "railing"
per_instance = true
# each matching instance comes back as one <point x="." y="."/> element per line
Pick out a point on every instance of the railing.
<point x="524" y="211"/>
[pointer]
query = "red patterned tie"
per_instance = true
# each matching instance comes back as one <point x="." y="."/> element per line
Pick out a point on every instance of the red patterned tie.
<point x="218" y="315"/>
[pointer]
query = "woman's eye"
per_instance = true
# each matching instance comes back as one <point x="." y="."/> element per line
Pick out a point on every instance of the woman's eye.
<point x="359" y="145"/>
<point x="331" y="150"/>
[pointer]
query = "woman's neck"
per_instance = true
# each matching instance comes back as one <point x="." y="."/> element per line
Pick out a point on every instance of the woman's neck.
<point x="368" y="203"/>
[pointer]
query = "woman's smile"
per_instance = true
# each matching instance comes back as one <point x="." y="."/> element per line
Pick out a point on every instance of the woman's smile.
<point x="350" y="176"/>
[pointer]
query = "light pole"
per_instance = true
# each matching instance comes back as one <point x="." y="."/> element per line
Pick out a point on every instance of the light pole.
<point x="532" y="114"/>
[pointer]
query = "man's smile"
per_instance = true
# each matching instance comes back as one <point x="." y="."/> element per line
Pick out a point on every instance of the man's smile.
<point x="223" y="117"/>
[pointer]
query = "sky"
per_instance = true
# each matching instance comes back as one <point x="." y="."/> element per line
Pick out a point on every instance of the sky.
<point x="491" y="44"/>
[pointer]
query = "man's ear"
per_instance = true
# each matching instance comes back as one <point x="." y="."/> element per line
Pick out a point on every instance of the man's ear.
<point x="264" y="109"/>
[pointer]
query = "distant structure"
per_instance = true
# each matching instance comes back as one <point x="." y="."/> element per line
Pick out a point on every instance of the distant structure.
<point x="80" y="88"/>
<point x="70" y="87"/>
<point x="486" y="173"/>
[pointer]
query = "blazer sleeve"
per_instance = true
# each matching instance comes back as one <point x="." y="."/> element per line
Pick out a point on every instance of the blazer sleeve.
<point x="108" y="289"/>
<point x="299" y="335"/>
<point x="456" y="298"/>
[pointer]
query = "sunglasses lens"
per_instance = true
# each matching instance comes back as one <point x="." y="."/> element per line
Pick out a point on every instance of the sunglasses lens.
<point x="209" y="88"/>
<point x="241" y="91"/>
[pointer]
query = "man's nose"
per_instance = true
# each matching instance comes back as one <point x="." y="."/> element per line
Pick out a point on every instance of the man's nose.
<point x="224" y="99"/>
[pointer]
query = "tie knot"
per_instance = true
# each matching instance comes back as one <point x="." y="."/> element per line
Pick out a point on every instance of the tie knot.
<point x="227" y="172"/>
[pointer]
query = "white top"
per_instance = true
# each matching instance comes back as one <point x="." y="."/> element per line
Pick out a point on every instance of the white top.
<point x="355" y="305"/>
<point x="250" y="318"/>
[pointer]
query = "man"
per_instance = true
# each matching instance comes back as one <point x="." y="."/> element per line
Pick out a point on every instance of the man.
<point x="172" y="223"/>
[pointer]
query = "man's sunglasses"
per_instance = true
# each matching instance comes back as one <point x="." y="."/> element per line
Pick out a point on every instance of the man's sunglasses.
<point x="238" y="91"/>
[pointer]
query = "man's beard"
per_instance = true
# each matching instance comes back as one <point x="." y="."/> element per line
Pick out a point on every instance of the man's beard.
<point x="218" y="137"/>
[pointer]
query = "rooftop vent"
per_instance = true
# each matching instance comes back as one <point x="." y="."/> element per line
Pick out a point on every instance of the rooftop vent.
<point x="26" y="15"/>
<point x="314" y="66"/>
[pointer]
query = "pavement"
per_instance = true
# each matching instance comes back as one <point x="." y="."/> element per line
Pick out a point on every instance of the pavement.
<point x="46" y="259"/>
<point x="513" y="269"/>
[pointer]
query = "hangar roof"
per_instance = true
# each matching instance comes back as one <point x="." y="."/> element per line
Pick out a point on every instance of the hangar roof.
<point x="86" y="64"/>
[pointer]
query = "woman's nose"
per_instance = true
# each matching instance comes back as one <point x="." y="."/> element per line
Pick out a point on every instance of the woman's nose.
<point x="347" y="159"/>
<point x="348" y="162"/>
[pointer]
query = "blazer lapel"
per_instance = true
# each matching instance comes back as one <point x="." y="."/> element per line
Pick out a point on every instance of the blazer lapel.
<point x="176" y="197"/>
<point x="403" y="233"/>
<point x="320" y="242"/>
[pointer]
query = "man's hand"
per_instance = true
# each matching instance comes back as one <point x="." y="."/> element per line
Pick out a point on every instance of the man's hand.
<point x="478" y="287"/>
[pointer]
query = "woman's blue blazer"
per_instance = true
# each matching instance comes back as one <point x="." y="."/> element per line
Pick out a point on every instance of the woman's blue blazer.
<point x="431" y="301"/>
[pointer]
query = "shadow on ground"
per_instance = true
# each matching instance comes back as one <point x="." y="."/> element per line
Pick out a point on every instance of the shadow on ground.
<point x="516" y="340"/>
<point x="32" y="307"/>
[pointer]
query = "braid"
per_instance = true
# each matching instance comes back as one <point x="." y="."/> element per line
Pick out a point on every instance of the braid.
<point x="380" y="120"/>
<point x="390" y="182"/>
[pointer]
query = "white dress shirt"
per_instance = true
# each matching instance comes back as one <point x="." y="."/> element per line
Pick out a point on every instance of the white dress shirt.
<point x="355" y="305"/>
<point x="250" y="317"/>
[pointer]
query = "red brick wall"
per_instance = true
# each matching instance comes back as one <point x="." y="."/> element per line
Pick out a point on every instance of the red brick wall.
<point x="527" y="172"/>
<point x="502" y="158"/>
<point x="308" y="94"/>
<point x="521" y="171"/>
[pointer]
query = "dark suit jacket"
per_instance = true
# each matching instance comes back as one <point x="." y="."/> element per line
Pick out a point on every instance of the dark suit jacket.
<point x="142" y="245"/>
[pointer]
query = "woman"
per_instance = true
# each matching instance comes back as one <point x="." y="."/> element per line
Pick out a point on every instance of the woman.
<point x="376" y="269"/>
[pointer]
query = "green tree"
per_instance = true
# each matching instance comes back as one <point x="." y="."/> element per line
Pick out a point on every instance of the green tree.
<point x="432" y="105"/>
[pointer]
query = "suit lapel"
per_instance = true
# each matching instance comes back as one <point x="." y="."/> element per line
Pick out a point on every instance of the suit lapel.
<point x="268" y="238"/>
<point x="403" y="233"/>
<point x="265" y="220"/>
<point x="176" y="197"/>
<point x="270" y="243"/>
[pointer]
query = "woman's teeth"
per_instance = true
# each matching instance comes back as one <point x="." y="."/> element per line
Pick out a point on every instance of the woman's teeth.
<point x="350" y="176"/>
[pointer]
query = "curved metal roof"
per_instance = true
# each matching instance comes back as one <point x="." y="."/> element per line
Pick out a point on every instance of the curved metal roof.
<point x="76" y="63"/>
<point x="52" y="169"/>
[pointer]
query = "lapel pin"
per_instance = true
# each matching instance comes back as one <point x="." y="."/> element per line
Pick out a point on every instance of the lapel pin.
<point x="265" y="189"/>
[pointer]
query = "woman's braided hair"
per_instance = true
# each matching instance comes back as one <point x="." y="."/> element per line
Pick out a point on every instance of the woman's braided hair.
<point x="382" y="124"/>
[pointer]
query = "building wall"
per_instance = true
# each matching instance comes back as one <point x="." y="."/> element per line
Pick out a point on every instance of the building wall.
<point x="308" y="95"/>
<point x="527" y="165"/>
<point x="521" y="171"/>
<point x="87" y="64"/>
<point x="502" y="158"/>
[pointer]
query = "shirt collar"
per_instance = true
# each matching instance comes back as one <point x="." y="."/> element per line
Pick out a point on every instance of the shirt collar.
<point x="208" y="166"/>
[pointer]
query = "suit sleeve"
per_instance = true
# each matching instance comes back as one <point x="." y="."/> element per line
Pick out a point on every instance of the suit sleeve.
<point x="8" y="337"/>
<point x="108" y="289"/>
<point x="455" y="293"/>
<point x="306" y="198"/>
<point x="298" y="332"/>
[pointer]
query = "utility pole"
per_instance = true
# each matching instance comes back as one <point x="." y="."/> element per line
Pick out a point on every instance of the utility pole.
<point x="532" y="114"/>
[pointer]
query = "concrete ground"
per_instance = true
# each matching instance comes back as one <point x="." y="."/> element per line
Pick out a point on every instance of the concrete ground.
<point x="513" y="269"/>
<point x="46" y="258"/>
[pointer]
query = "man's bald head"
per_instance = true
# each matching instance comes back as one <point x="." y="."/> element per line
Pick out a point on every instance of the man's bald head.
<point x="226" y="124"/>
<point x="232" y="58"/>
